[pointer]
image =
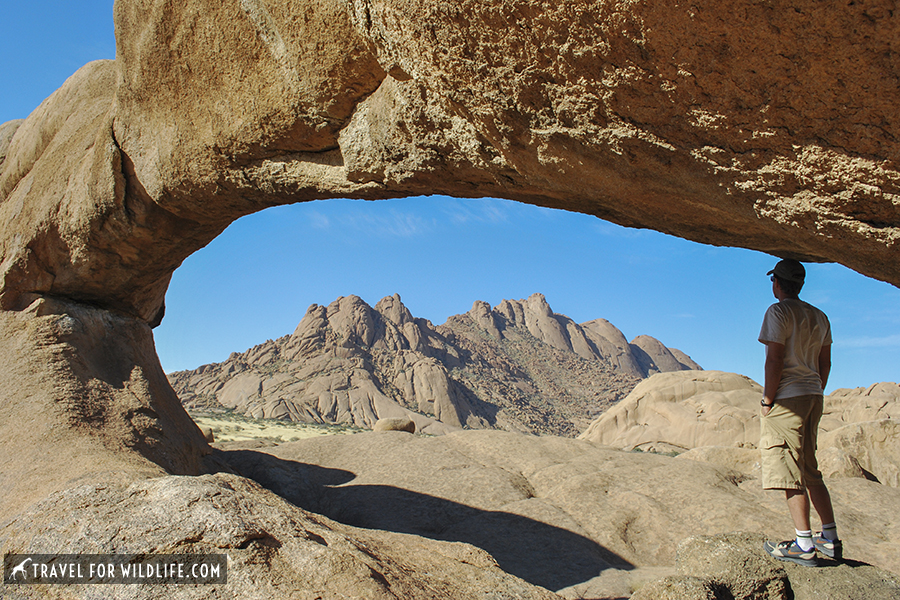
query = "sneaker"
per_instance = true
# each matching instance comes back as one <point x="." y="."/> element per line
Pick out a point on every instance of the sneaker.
<point x="791" y="552"/>
<point x="831" y="549"/>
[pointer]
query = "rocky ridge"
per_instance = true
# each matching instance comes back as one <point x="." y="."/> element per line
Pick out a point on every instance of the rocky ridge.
<point x="518" y="366"/>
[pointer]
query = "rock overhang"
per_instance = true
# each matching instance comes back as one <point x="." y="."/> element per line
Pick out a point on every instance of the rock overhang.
<point x="738" y="125"/>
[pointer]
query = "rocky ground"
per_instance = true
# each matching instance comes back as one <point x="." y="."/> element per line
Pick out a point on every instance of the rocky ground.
<point x="584" y="520"/>
<point x="591" y="521"/>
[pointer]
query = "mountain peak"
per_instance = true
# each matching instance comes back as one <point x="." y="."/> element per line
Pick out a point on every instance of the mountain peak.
<point x="393" y="309"/>
<point x="518" y="366"/>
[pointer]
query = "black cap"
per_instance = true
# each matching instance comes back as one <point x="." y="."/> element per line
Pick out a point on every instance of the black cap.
<point x="789" y="270"/>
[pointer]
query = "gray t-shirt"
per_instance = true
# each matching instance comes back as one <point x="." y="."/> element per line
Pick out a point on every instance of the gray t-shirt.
<point x="804" y="330"/>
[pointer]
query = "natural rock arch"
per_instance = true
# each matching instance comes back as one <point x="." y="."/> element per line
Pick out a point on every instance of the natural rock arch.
<point x="732" y="124"/>
<point x="763" y="125"/>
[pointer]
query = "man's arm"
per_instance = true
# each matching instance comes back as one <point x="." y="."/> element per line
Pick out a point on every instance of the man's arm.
<point x="824" y="365"/>
<point x="774" y="368"/>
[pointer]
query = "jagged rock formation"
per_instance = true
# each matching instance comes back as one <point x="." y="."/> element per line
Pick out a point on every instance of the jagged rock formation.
<point x="518" y="366"/>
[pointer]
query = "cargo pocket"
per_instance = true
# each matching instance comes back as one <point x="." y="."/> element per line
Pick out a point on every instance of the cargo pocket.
<point x="770" y="441"/>
<point x="779" y="465"/>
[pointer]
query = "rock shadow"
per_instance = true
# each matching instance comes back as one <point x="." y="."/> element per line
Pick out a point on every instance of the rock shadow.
<point x="539" y="553"/>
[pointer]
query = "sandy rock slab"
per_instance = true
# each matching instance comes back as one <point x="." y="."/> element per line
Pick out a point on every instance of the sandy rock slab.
<point x="582" y="520"/>
<point x="684" y="409"/>
<point x="475" y="514"/>
<point x="274" y="549"/>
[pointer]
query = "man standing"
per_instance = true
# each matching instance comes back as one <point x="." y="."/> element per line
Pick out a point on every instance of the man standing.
<point x="797" y="336"/>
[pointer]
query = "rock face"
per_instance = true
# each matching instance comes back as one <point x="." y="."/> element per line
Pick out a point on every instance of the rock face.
<point x="876" y="402"/>
<point x="685" y="410"/>
<point x="83" y="397"/>
<point x="519" y="366"/>
<point x="873" y="445"/>
<point x="7" y="130"/>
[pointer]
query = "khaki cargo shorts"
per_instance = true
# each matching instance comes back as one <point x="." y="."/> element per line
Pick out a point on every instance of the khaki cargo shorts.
<point x="788" y="443"/>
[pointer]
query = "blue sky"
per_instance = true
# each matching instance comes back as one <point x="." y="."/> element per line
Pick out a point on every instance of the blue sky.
<point x="257" y="279"/>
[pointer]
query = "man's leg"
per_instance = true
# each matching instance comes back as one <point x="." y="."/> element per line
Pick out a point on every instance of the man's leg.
<point x="798" y="504"/>
<point x="801" y="550"/>
<point x="781" y="445"/>
<point x="827" y="542"/>
<point x="821" y="501"/>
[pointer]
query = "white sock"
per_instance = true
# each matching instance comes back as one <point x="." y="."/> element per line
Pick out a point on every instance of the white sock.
<point x="804" y="540"/>
<point x="829" y="531"/>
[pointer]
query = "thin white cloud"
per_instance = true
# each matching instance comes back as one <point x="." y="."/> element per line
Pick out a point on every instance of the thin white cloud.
<point x="394" y="223"/>
<point x="888" y="341"/>
<point x="319" y="221"/>
<point x="486" y="210"/>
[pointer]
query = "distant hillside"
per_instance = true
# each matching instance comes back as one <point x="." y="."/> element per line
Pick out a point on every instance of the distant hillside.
<point x="517" y="367"/>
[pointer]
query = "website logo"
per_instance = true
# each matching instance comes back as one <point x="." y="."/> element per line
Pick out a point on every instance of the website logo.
<point x="25" y="569"/>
